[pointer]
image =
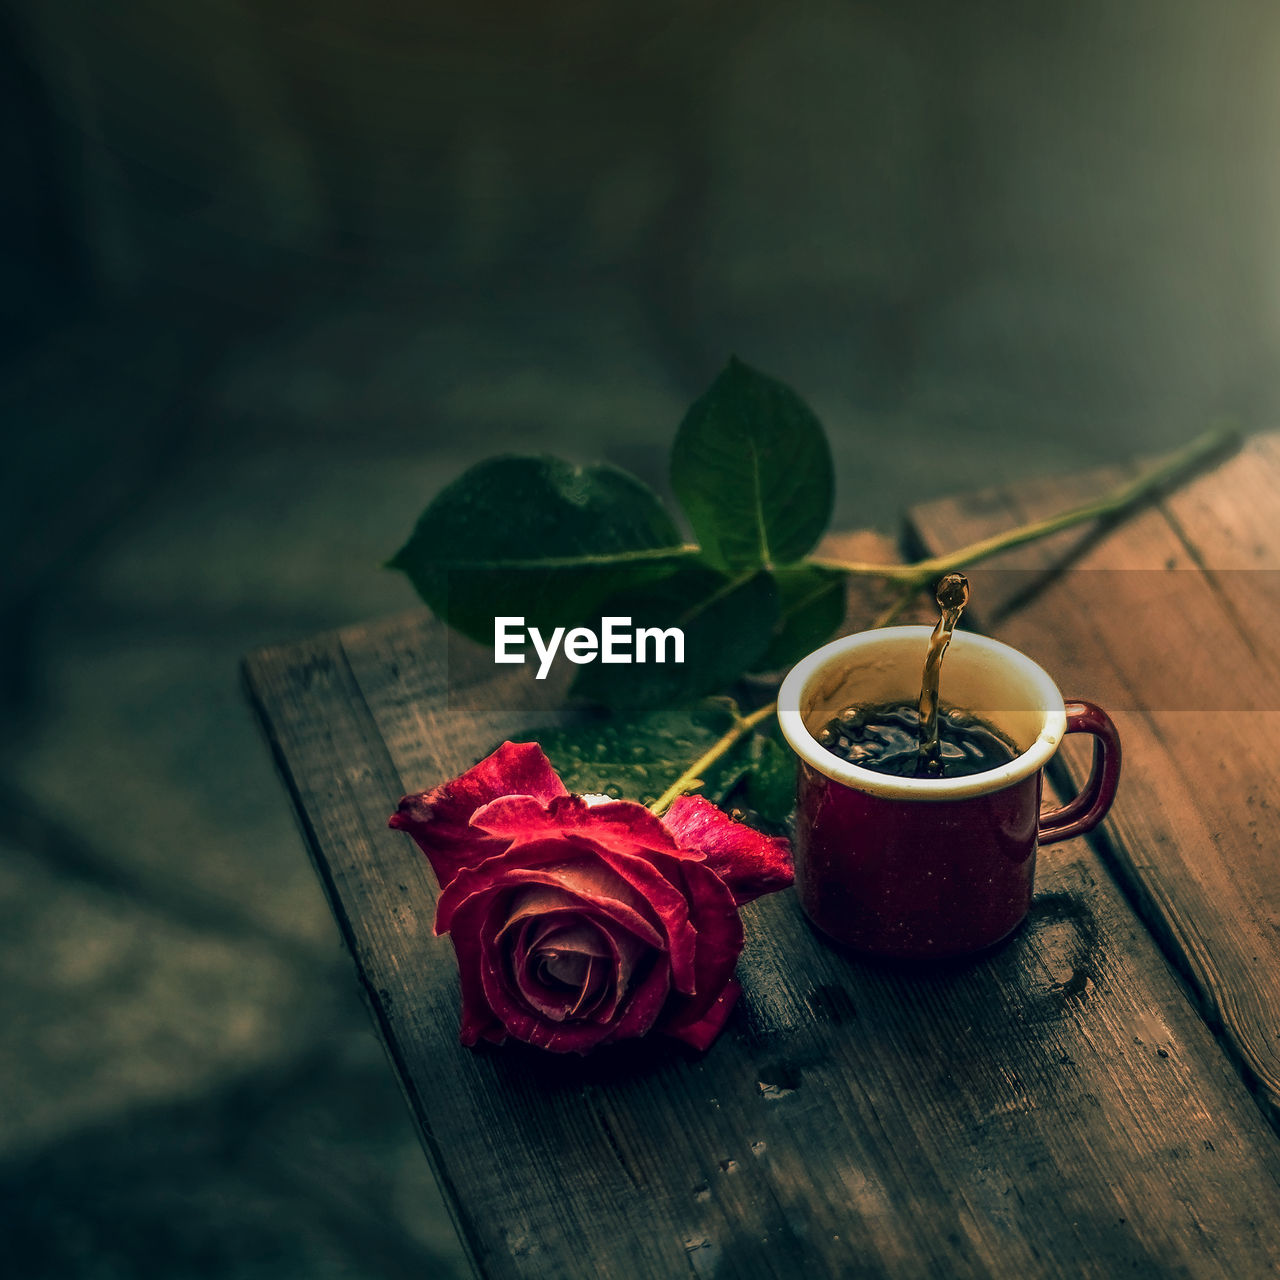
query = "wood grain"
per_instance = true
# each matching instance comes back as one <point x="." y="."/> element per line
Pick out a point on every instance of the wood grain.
<point x="1172" y="620"/>
<point x="1057" y="1108"/>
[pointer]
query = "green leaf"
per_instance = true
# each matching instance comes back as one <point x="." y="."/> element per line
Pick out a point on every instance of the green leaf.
<point x="811" y="607"/>
<point x="639" y="758"/>
<point x="752" y="469"/>
<point x="769" y="780"/>
<point x="538" y="538"/>
<point x="726" y="623"/>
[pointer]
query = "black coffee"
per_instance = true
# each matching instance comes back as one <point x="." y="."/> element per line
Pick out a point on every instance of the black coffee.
<point x="886" y="739"/>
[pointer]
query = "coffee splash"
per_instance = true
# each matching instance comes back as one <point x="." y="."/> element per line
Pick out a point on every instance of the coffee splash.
<point x="921" y="740"/>
<point x="952" y="595"/>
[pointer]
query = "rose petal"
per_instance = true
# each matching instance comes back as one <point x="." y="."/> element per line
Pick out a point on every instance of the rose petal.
<point x="524" y="1023"/>
<point x="622" y="834"/>
<point x="719" y="934"/>
<point x="529" y="932"/>
<point x="600" y="987"/>
<point x="583" y="883"/>
<point x="657" y="888"/>
<point x="479" y="901"/>
<point x="714" y="916"/>
<point x="592" y="985"/>
<point x="478" y="1018"/>
<point x="551" y="1000"/>
<point x="549" y="910"/>
<point x="543" y="926"/>
<point x="576" y="937"/>
<point x="440" y="820"/>
<point x="481" y="917"/>
<point x="627" y="955"/>
<point x="640" y="1011"/>
<point x="567" y="969"/>
<point x="579" y="941"/>
<point x="527" y="964"/>
<point x="702" y="1031"/>
<point x="621" y="824"/>
<point x="612" y="971"/>
<point x="623" y="951"/>
<point x="750" y="863"/>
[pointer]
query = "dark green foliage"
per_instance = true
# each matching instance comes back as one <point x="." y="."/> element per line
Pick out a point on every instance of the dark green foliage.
<point x="563" y="545"/>
<point x="752" y="469"/>
<point x="638" y="758"/>
<point x="538" y="538"/>
<point x="811" y="605"/>
<point x="727" y="624"/>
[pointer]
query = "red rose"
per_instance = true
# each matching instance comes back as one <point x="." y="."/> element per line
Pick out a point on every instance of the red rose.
<point x="580" y="923"/>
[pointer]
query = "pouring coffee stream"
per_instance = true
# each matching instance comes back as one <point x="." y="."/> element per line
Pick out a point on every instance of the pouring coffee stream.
<point x="918" y="737"/>
<point x="952" y="595"/>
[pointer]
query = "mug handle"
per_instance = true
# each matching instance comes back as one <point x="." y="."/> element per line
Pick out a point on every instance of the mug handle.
<point x="1089" y="807"/>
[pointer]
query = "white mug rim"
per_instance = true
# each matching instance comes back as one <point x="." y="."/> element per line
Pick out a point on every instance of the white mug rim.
<point x="790" y="697"/>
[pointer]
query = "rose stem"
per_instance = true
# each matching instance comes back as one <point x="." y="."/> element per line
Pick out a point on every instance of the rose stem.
<point x="741" y="726"/>
<point x="917" y="575"/>
<point x="919" y="572"/>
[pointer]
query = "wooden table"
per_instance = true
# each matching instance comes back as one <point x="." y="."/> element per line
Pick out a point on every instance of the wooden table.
<point x="1096" y="1098"/>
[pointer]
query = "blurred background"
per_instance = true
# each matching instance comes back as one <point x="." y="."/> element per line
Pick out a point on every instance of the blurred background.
<point x="275" y="272"/>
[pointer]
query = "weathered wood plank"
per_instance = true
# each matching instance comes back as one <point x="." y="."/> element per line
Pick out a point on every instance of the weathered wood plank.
<point x="1056" y="1108"/>
<point x="1170" y="620"/>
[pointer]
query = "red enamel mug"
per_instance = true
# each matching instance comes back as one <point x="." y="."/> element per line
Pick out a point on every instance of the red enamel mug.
<point x="932" y="867"/>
